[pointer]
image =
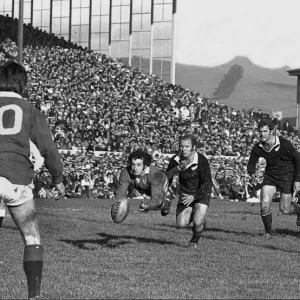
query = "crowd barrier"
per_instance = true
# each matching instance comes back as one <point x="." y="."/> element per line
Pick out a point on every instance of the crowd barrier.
<point x="98" y="153"/>
<point x="38" y="160"/>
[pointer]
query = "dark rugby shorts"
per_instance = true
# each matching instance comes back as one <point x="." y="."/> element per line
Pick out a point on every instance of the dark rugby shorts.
<point x="284" y="184"/>
<point x="181" y="207"/>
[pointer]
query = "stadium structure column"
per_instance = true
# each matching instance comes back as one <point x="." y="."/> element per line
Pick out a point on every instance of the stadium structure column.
<point x="20" y="31"/>
<point x="13" y="9"/>
<point x="90" y="25"/>
<point x="70" y="20"/>
<point x="130" y="35"/>
<point x="173" y="58"/>
<point x="109" y="30"/>
<point x="151" y="39"/>
<point x="296" y="72"/>
<point x="51" y="16"/>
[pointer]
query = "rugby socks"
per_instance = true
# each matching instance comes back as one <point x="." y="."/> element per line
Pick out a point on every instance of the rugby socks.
<point x="1" y="220"/>
<point x="197" y="232"/>
<point x="33" y="267"/>
<point x="267" y="220"/>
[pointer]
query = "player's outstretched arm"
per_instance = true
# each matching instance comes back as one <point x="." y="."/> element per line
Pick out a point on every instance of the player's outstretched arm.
<point x="174" y="168"/>
<point x="205" y="179"/>
<point x="252" y="162"/>
<point x="296" y="162"/>
<point x="41" y="137"/>
<point x="123" y="187"/>
<point x="158" y="186"/>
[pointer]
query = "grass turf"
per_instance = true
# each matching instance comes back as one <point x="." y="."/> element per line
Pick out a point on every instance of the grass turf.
<point x="87" y="256"/>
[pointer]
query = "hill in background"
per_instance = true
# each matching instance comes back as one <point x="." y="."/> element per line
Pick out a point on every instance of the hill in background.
<point x="255" y="87"/>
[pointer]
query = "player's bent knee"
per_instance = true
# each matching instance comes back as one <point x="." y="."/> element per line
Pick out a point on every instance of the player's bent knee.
<point x="182" y="222"/>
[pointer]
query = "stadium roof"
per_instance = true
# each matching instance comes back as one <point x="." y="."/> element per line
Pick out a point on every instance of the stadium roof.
<point x="295" y="72"/>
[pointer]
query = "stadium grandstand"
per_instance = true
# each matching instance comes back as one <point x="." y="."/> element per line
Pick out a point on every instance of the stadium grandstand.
<point x="100" y="109"/>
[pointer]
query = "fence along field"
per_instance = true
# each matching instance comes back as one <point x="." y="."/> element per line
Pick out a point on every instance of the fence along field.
<point x="89" y="257"/>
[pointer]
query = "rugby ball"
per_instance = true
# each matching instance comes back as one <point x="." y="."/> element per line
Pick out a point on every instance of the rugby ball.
<point x="120" y="210"/>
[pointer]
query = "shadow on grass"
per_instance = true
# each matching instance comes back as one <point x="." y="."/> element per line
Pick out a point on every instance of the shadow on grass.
<point x="276" y="233"/>
<point x="114" y="241"/>
<point x="10" y="227"/>
<point x="242" y="212"/>
<point x="287" y="232"/>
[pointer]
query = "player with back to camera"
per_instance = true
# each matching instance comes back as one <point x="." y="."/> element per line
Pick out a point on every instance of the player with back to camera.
<point x="21" y="122"/>
<point x="148" y="180"/>
<point x="282" y="172"/>
<point x="38" y="161"/>
<point x="195" y="185"/>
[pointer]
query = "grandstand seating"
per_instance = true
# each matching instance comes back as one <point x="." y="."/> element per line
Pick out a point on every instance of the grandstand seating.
<point x="95" y="103"/>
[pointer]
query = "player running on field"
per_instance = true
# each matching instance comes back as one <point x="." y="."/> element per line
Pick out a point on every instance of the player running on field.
<point x="195" y="185"/>
<point x="21" y="122"/>
<point x="282" y="173"/>
<point x="148" y="180"/>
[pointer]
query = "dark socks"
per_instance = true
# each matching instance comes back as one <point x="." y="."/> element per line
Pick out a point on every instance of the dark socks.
<point x="197" y="232"/>
<point x="267" y="220"/>
<point x="33" y="266"/>
<point x="1" y="220"/>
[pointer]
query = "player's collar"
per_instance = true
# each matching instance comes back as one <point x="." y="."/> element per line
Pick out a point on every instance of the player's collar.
<point x="276" y="145"/>
<point x="147" y="170"/>
<point x="194" y="162"/>
<point x="10" y="94"/>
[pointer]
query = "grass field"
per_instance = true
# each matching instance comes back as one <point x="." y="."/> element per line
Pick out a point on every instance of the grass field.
<point x="87" y="256"/>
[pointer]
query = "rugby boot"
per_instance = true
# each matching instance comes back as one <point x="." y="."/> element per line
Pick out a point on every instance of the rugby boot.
<point x="268" y="235"/>
<point x="193" y="245"/>
<point x="166" y="207"/>
<point x="196" y="237"/>
<point x="141" y="209"/>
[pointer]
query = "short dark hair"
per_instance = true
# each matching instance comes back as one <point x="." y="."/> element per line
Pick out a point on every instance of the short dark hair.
<point x="139" y="154"/>
<point x="189" y="137"/>
<point x="13" y="77"/>
<point x="266" y="122"/>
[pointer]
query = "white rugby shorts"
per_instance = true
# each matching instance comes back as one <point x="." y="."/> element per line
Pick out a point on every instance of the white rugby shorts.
<point x="2" y="208"/>
<point x="15" y="194"/>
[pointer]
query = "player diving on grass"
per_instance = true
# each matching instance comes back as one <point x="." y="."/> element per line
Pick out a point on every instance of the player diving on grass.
<point x="195" y="185"/>
<point x="148" y="180"/>
<point x="282" y="173"/>
<point x="21" y="122"/>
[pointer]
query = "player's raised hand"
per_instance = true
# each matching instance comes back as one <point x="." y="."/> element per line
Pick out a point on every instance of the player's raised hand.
<point x="61" y="191"/>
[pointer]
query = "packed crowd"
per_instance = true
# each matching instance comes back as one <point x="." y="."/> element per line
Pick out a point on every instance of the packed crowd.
<point x="95" y="103"/>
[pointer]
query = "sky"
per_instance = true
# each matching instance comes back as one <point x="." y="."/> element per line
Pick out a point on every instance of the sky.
<point x="212" y="32"/>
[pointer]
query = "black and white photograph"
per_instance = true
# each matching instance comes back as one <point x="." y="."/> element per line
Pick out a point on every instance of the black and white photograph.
<point x="149" y="149"/>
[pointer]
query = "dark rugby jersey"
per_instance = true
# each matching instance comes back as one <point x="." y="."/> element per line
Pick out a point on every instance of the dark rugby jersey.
<point x="21" y="122"/>
<point x="152" y="183"/>
<point x="283" y="160"/>
<point x="195" y="179"/>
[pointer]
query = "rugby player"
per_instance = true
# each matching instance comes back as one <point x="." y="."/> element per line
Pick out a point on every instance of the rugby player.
<point x="195" y="186"/>
<point x="38" y="161"/>
<point x="21" y="122"/>
<point x="282" y="173"/>
<point x="148" y="180"/>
